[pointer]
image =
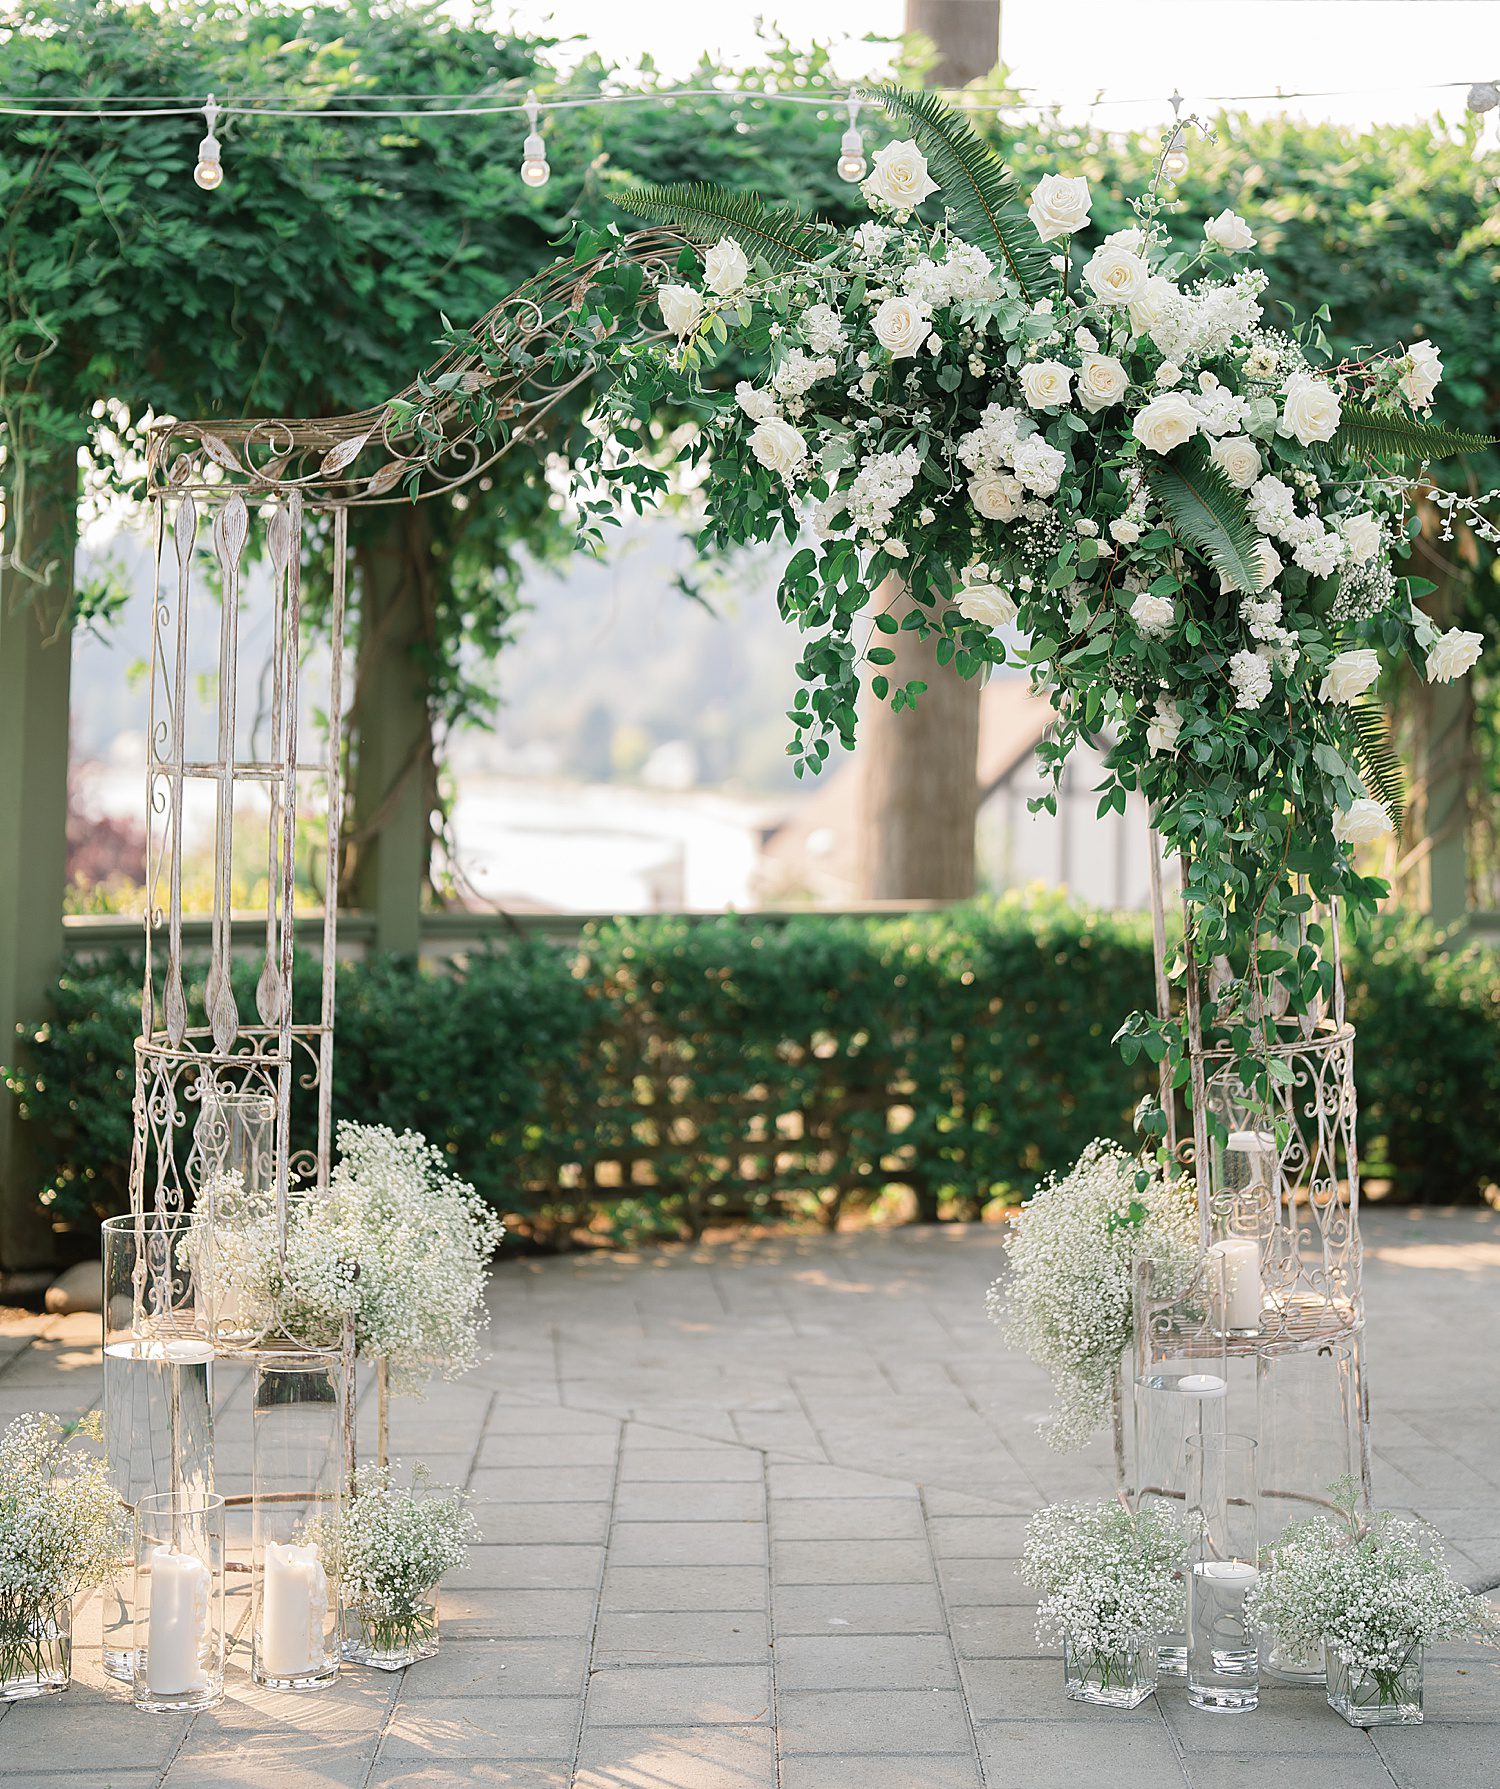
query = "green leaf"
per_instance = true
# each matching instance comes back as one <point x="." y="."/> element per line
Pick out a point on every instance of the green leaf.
<point x="1365" y="432"/>
<point x="1206" y="512"/>
<point x="978" y="188"/>
<point x="778" y="234"/>
<point x="1379" y="764"/>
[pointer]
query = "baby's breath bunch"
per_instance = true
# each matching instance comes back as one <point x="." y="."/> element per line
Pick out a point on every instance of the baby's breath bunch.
<point x="1067" y="1299"/>
<point x="1106" y="1575"/>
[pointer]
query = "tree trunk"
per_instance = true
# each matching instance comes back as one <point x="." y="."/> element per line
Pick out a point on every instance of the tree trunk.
<point x="387" y="849"/>
<point x="918" y="801"/>
<point x="35" y="675"/>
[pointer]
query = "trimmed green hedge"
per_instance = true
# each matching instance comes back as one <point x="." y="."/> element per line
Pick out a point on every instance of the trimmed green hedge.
<point x="670" y="1070"/>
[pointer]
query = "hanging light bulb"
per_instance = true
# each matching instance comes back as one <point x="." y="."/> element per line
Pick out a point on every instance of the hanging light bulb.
<point x="209" y="172"/>
<point x="534" y="169"/>
<point x="852" y="163"/>
<point x="1174" y="164"/>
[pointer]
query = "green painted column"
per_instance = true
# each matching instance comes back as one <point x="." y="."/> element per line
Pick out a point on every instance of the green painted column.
<point x="1449" y="724"/>
<point x="35" y="675"/>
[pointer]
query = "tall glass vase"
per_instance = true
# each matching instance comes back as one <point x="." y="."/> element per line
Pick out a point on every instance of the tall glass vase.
<point x="1180" y="1391"/>
<point x="158" y="1387"/>
<point x="299" y="1454"/>
<point x="1223" y="1667"/>
<point x="234" y="1141"/>
<point x="179" y="1602"/>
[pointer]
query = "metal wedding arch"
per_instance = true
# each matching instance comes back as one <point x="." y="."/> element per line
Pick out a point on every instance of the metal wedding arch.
<point x="287" y="487"/>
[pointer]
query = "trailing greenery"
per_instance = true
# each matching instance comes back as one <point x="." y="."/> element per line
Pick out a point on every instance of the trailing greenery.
<point x="1361" y="432"/>
<point x="1207" y="513"/>
<point x="778" y="234"/>
<point x="671" y="1072"/>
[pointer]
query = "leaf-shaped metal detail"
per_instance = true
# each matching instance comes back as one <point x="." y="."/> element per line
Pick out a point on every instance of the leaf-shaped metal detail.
<point x="223" y="1015"/>
<point x="231" y="526"/>
<point x="175" y="1005"/>
<point x="220" y="452"/>
<point x="279" y="540"/>
<point x="386" y="479"/>
<point x="268" y="994"/>
<point x="339" y="456"/>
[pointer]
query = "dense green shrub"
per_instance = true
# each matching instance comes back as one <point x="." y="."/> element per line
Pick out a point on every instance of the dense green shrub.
<point x="673" y="1070"/>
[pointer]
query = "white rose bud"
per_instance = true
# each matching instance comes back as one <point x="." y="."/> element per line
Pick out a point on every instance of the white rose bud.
<point x="1229" y="232"/>
<point x="681" y="308"/>
<point x="1361" y="822"/>
<point x="996" y="496"/>
<point x="1116" y="276"/>
<point x="1101" y="381"/>
<point x="1237" y="458"/>
<point x="1421" y="369"/>
<point x="1168" y="374"/>
<point x="900" y="326"/>
<point x="1363" y="535"/>
<point x="1046" y="384"/>
<point x="899" y="177"/>
<point x="1153" y="614"/>
<point x="1310" y="409"/>
<point x="1453" y="654"/>
<point x="725" y="268"/>
<point x="1349" y="675"/>
<point x="1059" y="205"/>
<point x="1165" y="423"/>
<point x="987" y="604"/>
<point x="778" y="446"/>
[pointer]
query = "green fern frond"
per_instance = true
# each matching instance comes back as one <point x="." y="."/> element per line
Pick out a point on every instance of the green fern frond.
<point x="777" y="234"/>
<point x="978" y="188"/>
<point x="1206" y="512"/>
<point x="1379" y="764"/>
<point x="1363" y="431"/>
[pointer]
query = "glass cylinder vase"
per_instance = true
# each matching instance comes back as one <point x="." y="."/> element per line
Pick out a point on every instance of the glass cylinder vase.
<point x="1181" y="1382"/>
<point x="1121" y="1679"/>
<point x="389" y="1641"/>
<point x="36" y="1645"/>
<point x="179" y="1602"/>
<point x="1307" y="1406"/>
<point x="1223" y="1667"/>
<point x="234" y="1141"/>
<point x="299" y="1462"/>
<point x="1376" y="1698"/>
<point x="158" y="1387"/>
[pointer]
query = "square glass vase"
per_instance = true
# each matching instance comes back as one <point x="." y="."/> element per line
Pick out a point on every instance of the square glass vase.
<point x="1376" y="1698"/>
<point x="36" y="1646"/>
<point x="1111" y="1679"/>
<point x="389" y="1643"/>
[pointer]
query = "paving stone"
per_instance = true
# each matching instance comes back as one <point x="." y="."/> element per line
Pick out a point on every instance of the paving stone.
<point x="795" y="1479"/>
<point x="519" y="1523"/>
<point x="1289" y="1719"/>
<point x="678" y="1695"/>
<point x="711" y="1465"/>
<point x="716" y="1637"/>
<point x="467" y="1773"/>
<point x="500" y="1668"/>
<point x="590" y="1447"/>
<point x="993" y="1632"/>
<point x="85" y="1732"/>
<point x="865" y="1662"/>
<point x="474" y="1727"/>
<point x="696" y="1502"/>
<point x="543" y="1484"/>
<point x="858" y="1608"/>
<point x="687" y="1543"/>
<point x="718" y="1757"/>
<point x="977" y="1537"/>
<point x="1257" y="1769"/>
<point x="845" y="1518"/>
<point x="646" y="1587"/>
<point x="517" y="1614"/>
<point x="1026" y="1689"/>
<point x="892" y="1771"/>
<point x="1127" y="1750"/>
<point x="851" y="1562"/>
<point x="990" y="1581"/>
<point x="1436" y="1757"/>
<point x="847" y="1722"/>
<point x="538" y="1567"/>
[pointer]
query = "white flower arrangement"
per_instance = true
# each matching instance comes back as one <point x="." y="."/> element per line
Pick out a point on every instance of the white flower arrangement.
<point x="1106" y="1574"/>
<point x="399" y="1244"/>
<point x="1373" y="1591"/>
<point x="389" y="1548"/>
<point x="61" y="1527"/>
<point x="1067" y="1300"/>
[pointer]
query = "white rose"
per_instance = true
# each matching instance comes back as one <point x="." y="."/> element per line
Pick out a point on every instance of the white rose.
<point x="1363" y="535"/>
<point x="1101" y="381"/>
<point x="1046" y="384"/>
<point x="756" y="404"/>
<point x="1168" y="374"/>
<point x="1116" y="275"/>
<point x="1059" y="205"/>
<point x="1229" y="232"/>
<point x="1153" y="614"/>
<point x="680" y="307"/>
<point x="996" y="496"/>
<point x="1421" y="369"/>
<point x="1126" y="532"/>
<point x="778" y="446"/>
<point x="1156" y="299"/>
<point x="1163" y="727"/>
<point x="900" y="326"/>
<point x="1453" y="654"/>
<point x="986" y="603"/>
<point x="1165" y="423"/>
<point x="1349" y="675"/>
<point x="1310" y="409"/>
<point x="1131" y="238"/>
<point x="725" y="268"/>
<point x="822" y="329"/>
<point x="899" y="177"/>
<point x="1237" y="459"/>
<point x="1360" y="822"/>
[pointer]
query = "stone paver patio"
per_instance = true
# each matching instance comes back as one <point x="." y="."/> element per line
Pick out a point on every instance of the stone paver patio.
<point x="750" y="1514"/>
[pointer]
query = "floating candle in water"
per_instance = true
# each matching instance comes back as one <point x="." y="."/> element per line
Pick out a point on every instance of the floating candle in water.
<point x="1202" y="1385"/>
<point x="177" y="1624"/>
<point x="294" y="1611"/>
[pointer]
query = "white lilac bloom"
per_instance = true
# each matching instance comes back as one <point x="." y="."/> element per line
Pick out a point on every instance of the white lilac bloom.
<point x="1454" y="654"/>
<point x="1038" y="465"/>
<point x="798" y="373"/>
<point x="822" y="328"/>
<point x="1250" y="678"/>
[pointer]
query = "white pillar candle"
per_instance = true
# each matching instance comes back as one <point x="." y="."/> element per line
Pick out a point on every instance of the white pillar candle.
<point x="294" y="1611"/>
<point x="1242" y="1291"/>
<point x="1229" y="1574"/>
<point x="177" y="1624"/>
